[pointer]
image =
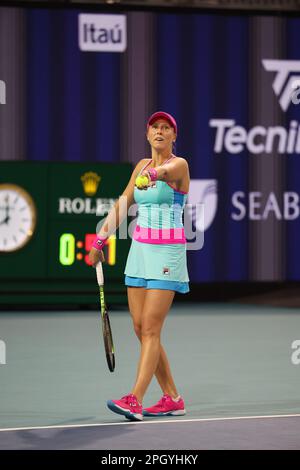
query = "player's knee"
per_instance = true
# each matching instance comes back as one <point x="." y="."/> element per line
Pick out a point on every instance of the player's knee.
<point x="137" y="329"/>
<point x="149" y="331"/>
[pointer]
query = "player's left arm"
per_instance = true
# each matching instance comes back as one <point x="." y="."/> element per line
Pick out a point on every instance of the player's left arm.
<point x="175" y="170"/>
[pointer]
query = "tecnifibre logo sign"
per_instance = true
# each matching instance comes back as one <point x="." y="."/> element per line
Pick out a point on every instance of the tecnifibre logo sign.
<point x="102" y="33"/>
<point x="2" y="92"/>
<point x="232" y="138"/>
<point x="286" y="80"/>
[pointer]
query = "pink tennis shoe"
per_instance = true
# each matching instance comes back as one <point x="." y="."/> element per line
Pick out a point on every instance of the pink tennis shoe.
<point x="166" y="406"/>
<point x="127" y="406"/>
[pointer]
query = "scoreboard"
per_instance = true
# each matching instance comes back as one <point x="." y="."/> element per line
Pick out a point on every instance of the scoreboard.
<point x="48" y="218"/>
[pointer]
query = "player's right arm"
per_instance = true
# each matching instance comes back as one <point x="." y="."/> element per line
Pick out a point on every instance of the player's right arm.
<point x="118" y="213"/>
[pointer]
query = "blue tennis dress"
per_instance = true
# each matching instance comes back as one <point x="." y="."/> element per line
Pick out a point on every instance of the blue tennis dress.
<point x="157" y="255"/>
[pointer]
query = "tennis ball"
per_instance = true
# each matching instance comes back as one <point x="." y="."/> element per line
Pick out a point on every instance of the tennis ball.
<point x="141" y="181"/>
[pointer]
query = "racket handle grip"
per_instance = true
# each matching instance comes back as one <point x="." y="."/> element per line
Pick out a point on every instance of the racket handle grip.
<point x="99" y="272"/>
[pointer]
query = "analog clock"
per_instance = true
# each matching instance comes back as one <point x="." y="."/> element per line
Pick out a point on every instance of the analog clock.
<point x="17" y="217"/>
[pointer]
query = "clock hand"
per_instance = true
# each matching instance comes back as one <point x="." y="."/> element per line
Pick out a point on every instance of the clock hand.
<point x="7" y="215"/>
<point x="4" y="221"/>
<point x="7" y="208"/>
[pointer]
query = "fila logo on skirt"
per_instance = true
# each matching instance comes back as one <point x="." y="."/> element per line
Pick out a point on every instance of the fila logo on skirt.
<point x="166" y="271"/>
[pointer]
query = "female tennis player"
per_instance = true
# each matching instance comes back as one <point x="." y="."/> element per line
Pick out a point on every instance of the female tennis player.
<point x="156" y="266"/>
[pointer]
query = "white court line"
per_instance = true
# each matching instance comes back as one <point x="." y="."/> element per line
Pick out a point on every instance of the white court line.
<point x="126" y="423"/>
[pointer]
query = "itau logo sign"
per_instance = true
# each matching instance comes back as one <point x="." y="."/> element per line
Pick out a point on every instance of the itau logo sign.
<point x="102" y="33"/>
<point x="2" y="92"/>
<point x="286" y="80"/>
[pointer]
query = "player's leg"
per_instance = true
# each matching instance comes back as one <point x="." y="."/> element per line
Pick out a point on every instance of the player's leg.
<point x="164" y="376"/>
<point x="136" y="299"/>
<point x="156" y="306"/>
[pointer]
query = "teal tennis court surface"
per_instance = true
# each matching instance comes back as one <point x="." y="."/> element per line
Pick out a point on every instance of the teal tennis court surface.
<point x="236" y="367"/>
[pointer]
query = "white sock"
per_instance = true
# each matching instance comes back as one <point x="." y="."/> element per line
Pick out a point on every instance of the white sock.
<point x="177" y="399"/>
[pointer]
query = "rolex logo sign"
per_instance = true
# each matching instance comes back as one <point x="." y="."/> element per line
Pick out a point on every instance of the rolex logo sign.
<point x="90" y="183"/>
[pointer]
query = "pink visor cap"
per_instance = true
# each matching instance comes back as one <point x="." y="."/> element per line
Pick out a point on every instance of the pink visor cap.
<point x="162" y="115"/>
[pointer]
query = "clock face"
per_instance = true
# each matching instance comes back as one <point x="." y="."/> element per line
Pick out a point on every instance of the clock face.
<point x="17" y="217"/>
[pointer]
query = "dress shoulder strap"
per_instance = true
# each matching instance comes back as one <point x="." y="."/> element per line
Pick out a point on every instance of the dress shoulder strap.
<point x="145" y="166"/>
<point x="148" y="163"/>
<point x="170" y="158"/>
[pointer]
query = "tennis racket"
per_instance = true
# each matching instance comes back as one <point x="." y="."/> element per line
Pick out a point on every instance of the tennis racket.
<point x="106" y="329"/>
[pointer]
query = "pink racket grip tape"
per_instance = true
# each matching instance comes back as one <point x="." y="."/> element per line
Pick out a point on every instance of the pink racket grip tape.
<point x="98" y="243"/>
<point x="153" y="174"/>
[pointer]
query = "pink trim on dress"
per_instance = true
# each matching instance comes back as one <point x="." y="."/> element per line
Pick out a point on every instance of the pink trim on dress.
<point x="177" y="190"/>
<point x="159" y="236"/>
